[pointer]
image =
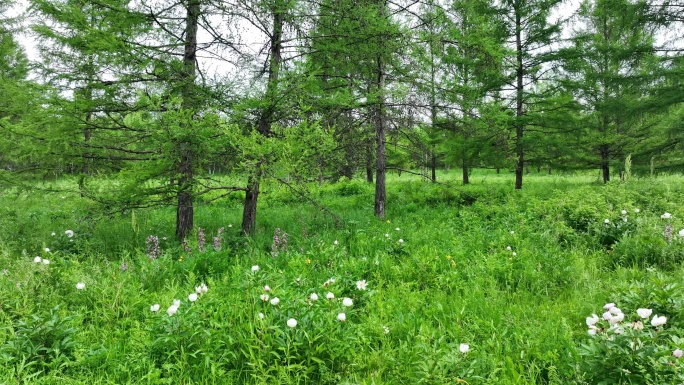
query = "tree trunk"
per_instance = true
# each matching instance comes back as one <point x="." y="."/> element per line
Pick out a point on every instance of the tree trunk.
<point x="184" y="196"/>
<point x="465" y="173"/>
<point x="381" y="160"/>
<point x="369" y="161"/>
<point x="605" y="163"/>
<point x="249" y="211"/>
<point x="433" y="166"/>
<point x="519" y="128"/>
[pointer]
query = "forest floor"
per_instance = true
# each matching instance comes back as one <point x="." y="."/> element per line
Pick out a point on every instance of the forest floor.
<point x="477" y="284"/>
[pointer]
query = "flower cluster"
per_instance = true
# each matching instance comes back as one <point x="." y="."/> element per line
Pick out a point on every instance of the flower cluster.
<point x="614" y="316"/>
<point x="192" y="297"/>
<point x="279" y="242"/>
<point x="201" y="239"/>
<point x="217" y="239"/>
<point x="152" y="247"/>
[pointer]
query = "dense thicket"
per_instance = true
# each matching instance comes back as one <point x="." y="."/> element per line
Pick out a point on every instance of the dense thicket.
<point x="158" y="99"/>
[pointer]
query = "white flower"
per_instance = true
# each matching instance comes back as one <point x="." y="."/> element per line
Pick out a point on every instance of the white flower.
<point x="644" y="313"/>
<point x="509" y="248"/>
<point x="615" y="311"/>
<point x="386" y="329"/>
<point x="361" y="285"/>
<point x="464" y="348"/>
<point x="606" y="316"/>
<point x="80" y="286"/>
<point x="619" y="330"/>
<point x="172" y="310"/>
<point x="275" y="301"/>
<point x="347" y="302"/>
<point x="47" y="250"/>
<point x="69" y="233"/>
<point x="512" y="232"/>
<point x="201" y="289"/>
<point x="386" y="235"/>
<point x="176" y="302"/>
<point x="154" y="308"/>
<point x="609" y="306"/>
<point x="681" y="233"/>
<point x="46" y="261"/>
<point x="592" y="331"/>
<point x="397" y="229"/>
<point x="53" y="234"/>
<point x="623" y="212"/>
<point x="377" y="263"/>
<point x="637" y="325"/>
<point x="401" y="241"/>
<point x="514" y="253"/>
<point x="261" y="315"/>
<point x="37" y="259"/>
<point x="606" y="221"/>
<point x="192" y="297"/>
<point x="658" y="321"/>
<point x="666" y="216"/>
<point x="255" y="268"/>
<point x="335" y="243"/>
<point x="591" y="321"/>
<point x="330" y="295"/>
<point x="678" y="353"/>
<point x="264" y="297"/>
<point x="616" y="319"/>
<point x="267" y="288"/>
<point x="341" y="317"/>
<point x="637" y="211"/>
<point x="292" y="322"/>
<point x="313" y="297"/>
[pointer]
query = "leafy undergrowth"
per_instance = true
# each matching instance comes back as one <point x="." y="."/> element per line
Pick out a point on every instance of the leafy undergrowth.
<point x="475" y="284"/>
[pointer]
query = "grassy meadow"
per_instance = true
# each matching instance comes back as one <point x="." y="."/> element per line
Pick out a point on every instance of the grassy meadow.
<point x="476" y="284"/>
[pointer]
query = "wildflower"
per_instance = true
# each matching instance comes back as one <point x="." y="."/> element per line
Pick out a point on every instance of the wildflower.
<point x="377" y="263"/>
<point x="292" y="322"/>
<point x="201" y="289"/>
<point x="176" y="302"/>
<point x="124" y="267"/>
<point x="201" y="239"/>
<point x="386" y="329"/>
<point x="80" y="286"/>
<point x="591" y="321"/>
<point x="152" y="247"/>
<point x="5" y="271"/>
<point x="464" y="348"/>
<point x="37" y="259"/>
<point x="347" y="302"/>
<point x="615" y="311"/>
<point x="275" y="301"/>
<point x="609" y="306"/>
<point x="401" y="241"/>
<point x="637" y="211"/>
<point x="681" y="233"/>
<point x="606" y="221"/>
<point x="313" y="297"/>
<point x="154" y="308"/>
<point x="658" y="321"/>
<point x="335" y="243"/>
<point x="386" y="235"/>
<point x="678" y="353"/>
<point x="397" y="229"/>
<point x="330" y="295"/>
<point x="637" y="325"/>
<point x="53" y="234"/>
<point x="46" y="261"/>
<point x="512" y="232"/>
<point x="514" y="253"/>
<point x="509" y="248"/>
<point x="592" y="330"/>
<point x="264" y="297"/>
<point x="666" y="216"/>
<point x="47" y="250"/>
<point x="644" y="313"/>
<point x="267" y="288"/>
<point x="341" y="317"/>
<point x="616" y="319"/>
<point x="255" y="268"/>
<point x="69" y="233"/>
<point x="361" y="285"/>
<point x="192" y="297"/>
<point x="261" y="315"/>
<point x="172" y="309"/>
<point x="623" y="212"/>
<point x="606" y="316"/>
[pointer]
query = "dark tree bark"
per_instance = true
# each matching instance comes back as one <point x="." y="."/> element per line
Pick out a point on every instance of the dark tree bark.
<point x="605" y="162"/>
<point x="184" y="196"/>
<point x="380" y="154"/>
<point x="249" y="212"/>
